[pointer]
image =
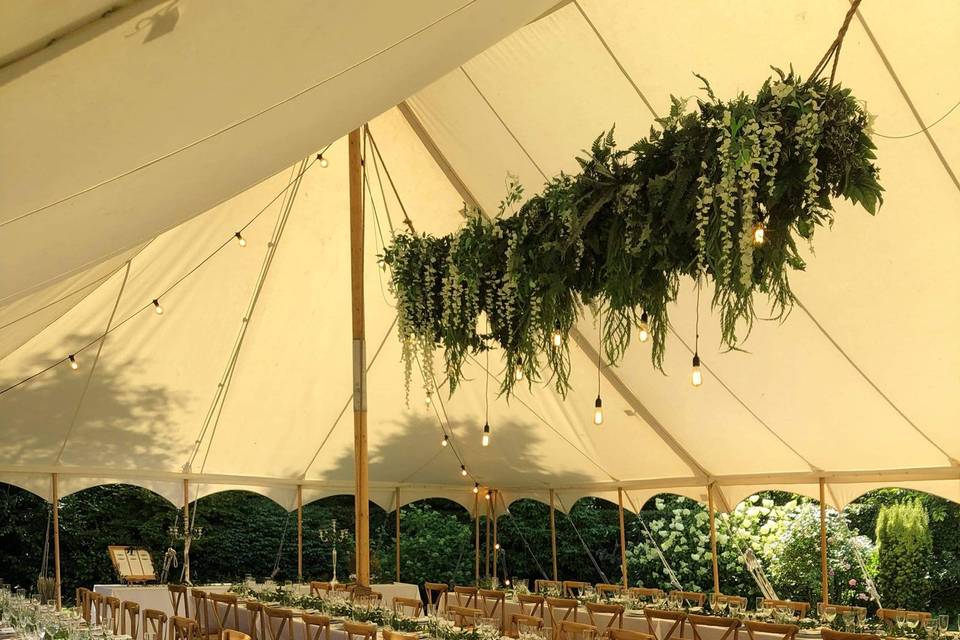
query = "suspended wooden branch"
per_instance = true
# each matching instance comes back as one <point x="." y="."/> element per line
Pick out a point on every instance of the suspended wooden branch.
<point x="721" y="192"/>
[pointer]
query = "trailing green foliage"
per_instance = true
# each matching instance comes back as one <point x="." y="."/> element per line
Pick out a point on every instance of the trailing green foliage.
<point x="686" y="201"/>
<point x="905" y="549"/>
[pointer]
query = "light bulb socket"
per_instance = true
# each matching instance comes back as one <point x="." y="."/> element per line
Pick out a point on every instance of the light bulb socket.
<point x="696" y="359"/>
<point x="599" y="403"/>
<point x="157" y="307"/>
<point x="486" y="428"/>
<point x="73" y="361"/>
<point x="463" y="470"/>
<point x="446" y="440"/>
<point x="643" y="317"/>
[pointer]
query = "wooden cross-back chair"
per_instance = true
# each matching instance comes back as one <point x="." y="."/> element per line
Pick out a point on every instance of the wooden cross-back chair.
<point x="178" y="598"/>
<point x="130" y="619"/>
<point x="111" y="611"/>
<point x="258" y="622"/>
<point x="465" y="617"/>
<point x="573" y="588"/>
<point x="182" y="628"/>
<point x="226" y="612"/>
<point x="233" y="634"/>
<point x="799" y="609"/>
<point x="784" y="631"/>
<point x="645" y="592"/>
<point x="560" y="610"/>
<point x="604" y="589"/>
<point x="201" y="613"/>
<point x="436" y="592"/>
<point x="319" y="588"/>
<point x="728" y="625"/>
<point x="411" y="607"/>
<point x="615" y="611"/>
<point x="697" y="597"/>
<point x="279" y="623"/>
<point x="889" y="616"/>
<point x="465" y="596"/>
<point x="533" y="601"/>
<point x="542" y="585"/>
<point x="399" y="635"/>
<point x="629" y="634"/>
<point x="83" y="602"/>
<point x="518" y="619"/>
<point x="570" y="630"/>
<point x="492" y="603"/>
<point x="316" y="627"/>
<point x="675" y="618"/>
<point x="830" y="634"/>
<point x="360" y="630"/>
<point x="154" y="622"/>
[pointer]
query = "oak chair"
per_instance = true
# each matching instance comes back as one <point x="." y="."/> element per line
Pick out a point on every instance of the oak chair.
<point x="258" y="622"/>
<point x="201" y="613"/>
<point x="316" y="627"/>
<point x="491" y="602"/>
<point x="279" y="622"/>
<point x="729" y="625"/>
<point x="111" y="610"/>
<point x="95" y="607"/>
<point x="561" y="610"/>
<point x="436" y="591"/>
<point x="225" y="611"/>
<point x="676" y="618"/>
<point x="411" y="607"/>
<point x="182" y="628"/>
<point x="360" y="630"/>
<point x="178" y="598"/>
<point x="465" y="617"/>
<point x="615" y="611"/>
<point x="785" y="631"/>
<point x="799" y="609"/>
<point x="533" y="601"/>
<point x="83" y="602"/>
<point x="570" y="630"/>
<point x="604" y="589"/>
<point x="465" y="596"/>
<point x="889" y="617"/>
<point x="319" y="588"/>
<point x="155" y="622"/>
<point x="697" y="597"/>
<point x="130" y="619"/>
<point x="573" y="588"/>
<point x="518" y="619"/>
<point x="629" y="634"/>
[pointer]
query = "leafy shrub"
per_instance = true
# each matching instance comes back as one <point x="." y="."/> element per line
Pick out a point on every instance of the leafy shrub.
<point x="905" y="552"/>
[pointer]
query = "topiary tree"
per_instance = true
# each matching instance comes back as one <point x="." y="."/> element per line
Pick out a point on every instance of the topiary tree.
<point x="905" y="551"/>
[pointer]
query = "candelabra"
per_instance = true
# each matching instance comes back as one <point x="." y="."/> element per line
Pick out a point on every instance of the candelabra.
<point x="333" y="535"/>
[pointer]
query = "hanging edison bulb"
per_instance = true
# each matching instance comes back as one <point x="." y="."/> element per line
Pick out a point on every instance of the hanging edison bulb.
<point x="556" y="337"/>
<point x="497" y="546"/>
<point x="429" y="398"/>
<point x="445" y="441"/>
<point x="486" y="496"/>
<point x="598" y="411"/>
<point x="644" y="327"/>
<point x="240" y="239"/>
<point x="323" y="161"/>
<point x="476" y="487"/>
<point x="157" y="307"/>
<point x="696" y="377"/>
<point x="518" y="370"/>
<point x="463" y="470"/>
<point x="73" y="362"/>
<point x="759" y="233"/>
<point x="486" y="435"/>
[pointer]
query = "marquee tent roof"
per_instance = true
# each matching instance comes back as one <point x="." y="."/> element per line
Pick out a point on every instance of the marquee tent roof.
<point x="138" y="143"/>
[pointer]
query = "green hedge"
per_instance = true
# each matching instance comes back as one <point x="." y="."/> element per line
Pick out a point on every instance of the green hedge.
<point x="905" y="551"/>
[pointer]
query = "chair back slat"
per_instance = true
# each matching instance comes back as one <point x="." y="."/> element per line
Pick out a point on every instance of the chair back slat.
<point x="278" y="622"/>
<point x="465" y="617"/>
<point x="573" y="588"/>
<point x="465" y="596"/>
<point x="155" y="622"/>
<point x="257" y="621"/>
<point x="436" y="594"/>
<point x="615" y="611"/>
<point x="319" y="588"/>
<point x="225" y="611"/>
<point x="130" y="619"/>
<point x="570" y="630"/>
<point x="411" y="607"/>
<point x="201" y="611"/>
<point x="516" y="619"/>
<point x="676" y="618"/>
<point x="360" y="630"/>
<point x="604" y="589"/>
<point x="729" y="625"/>
<point x="178" y="598"/>
<point x="111" y="610"/>
<point x="316" y="627"/>
<point x="491" y="602"/>
<point x="785" y="631"/>
<point x="533" y="601"/>
<point x="182" y="628"/>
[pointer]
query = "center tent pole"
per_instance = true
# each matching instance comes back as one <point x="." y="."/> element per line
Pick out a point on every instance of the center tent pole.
<point x="824" y="576"/>
<point x="496" y="547"/>
<point x="398" y="533"/>
<point x="486" y="560"/>
<point x="553" y="536"/>
<point x="713" y="540"/>
<point x="623" y="540"/>
<point x="476" y="538"/>
<point x="55" y="495"/>
<point x="299" y="533"/>
<point x="361" y="471"/>
<point x="187" y="529"/>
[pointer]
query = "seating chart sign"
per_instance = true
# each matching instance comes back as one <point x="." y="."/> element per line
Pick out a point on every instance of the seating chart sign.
<point x="132" y="564"/>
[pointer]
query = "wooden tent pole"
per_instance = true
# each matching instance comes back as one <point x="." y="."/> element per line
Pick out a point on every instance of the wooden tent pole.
<point x="186" y="530"/>
<point x="55" y="495"/>
<point x="713" y="540"/>
<point x="824" y="576"/>
<point x="553" y="536"/>
<point x="361" y="471"/>
<point x="398" y="533"/>
<point x="496" y="547"/>
<point x="476" y="538"/>
<point x="623" y="540"/>
<point x="299" y="533"/>
<point x="486" y="546"/>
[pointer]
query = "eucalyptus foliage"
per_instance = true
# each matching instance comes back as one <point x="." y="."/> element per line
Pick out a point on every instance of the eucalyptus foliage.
<point x="684" y="202"/>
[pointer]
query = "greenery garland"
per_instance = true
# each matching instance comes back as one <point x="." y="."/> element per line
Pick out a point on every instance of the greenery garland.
<point x="690" y="200"/>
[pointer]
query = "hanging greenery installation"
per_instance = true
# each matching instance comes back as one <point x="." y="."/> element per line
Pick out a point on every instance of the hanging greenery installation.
<point x="723" y="192"/>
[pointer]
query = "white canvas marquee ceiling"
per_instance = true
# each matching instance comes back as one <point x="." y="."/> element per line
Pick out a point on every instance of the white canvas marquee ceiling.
<point x="131" y="159"/>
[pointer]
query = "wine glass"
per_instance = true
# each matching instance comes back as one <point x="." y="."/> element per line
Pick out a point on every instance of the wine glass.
<point x="943" y="621"/>
<point x="913" y="620"/>
<point x="848" y="616"/>
<point x="931" y="626"/>
<point x="759" y="609"/>
<point x="860" y="617"/>
<point x="714" y="601"/>
<point x="901" y="619"/>
<point x="830" y="614"/>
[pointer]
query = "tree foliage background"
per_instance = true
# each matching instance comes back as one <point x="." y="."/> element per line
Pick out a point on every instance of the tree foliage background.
<point x="247" y="534"/>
